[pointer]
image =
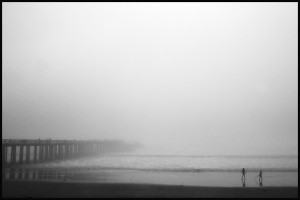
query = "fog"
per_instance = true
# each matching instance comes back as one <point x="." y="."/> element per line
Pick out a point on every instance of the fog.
<point x="179" y="78"/>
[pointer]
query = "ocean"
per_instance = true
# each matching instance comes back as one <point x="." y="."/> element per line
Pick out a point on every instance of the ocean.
<point x="180" y="163"/>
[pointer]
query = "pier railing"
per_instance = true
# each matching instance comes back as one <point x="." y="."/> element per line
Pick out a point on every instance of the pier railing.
<point x="31" y="151"/>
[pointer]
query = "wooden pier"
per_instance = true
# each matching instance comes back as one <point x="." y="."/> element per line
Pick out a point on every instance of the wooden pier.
<point x="33" y="151"/>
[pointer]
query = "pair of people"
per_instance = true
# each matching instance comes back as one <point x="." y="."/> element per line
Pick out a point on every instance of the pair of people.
<point x="259" y="175"/>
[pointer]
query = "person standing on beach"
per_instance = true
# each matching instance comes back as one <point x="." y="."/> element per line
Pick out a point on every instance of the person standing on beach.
<point x="243" y="177"/>
<point x="243" y="172"/>
<point x="260" y="180"/>
<point x="260" y="175"/>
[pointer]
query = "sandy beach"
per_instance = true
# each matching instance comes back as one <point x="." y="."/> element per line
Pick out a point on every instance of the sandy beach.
<point x="40" y="189"/>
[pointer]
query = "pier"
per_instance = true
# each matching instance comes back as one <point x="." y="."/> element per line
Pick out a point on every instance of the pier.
<point x="15" y="152"/>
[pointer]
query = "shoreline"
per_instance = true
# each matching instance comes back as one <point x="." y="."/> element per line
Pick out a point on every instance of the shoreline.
<point x="206" y="179"/>
<point x="37" y="189"/>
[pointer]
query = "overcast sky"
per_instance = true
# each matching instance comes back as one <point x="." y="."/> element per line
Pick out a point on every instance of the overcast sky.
<point x="189" y="78"/>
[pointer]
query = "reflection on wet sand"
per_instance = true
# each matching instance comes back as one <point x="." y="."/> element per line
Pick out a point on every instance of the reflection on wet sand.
<point x="244" y="181"/>
<point x="35" y="174"/>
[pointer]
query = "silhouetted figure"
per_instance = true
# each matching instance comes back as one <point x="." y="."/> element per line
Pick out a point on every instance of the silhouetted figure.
<point x="243" y="177"/>
<point x="260" y="178"/>
<point x="260" y="175"/>
<point x="243" y="173"/>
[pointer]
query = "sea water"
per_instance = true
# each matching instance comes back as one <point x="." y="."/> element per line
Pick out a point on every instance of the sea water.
<point x="180" y="163"/>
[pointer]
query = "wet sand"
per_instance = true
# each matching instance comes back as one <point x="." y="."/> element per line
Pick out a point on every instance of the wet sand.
<point x="40" y="189"/>
<point x="210" y="179"/>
